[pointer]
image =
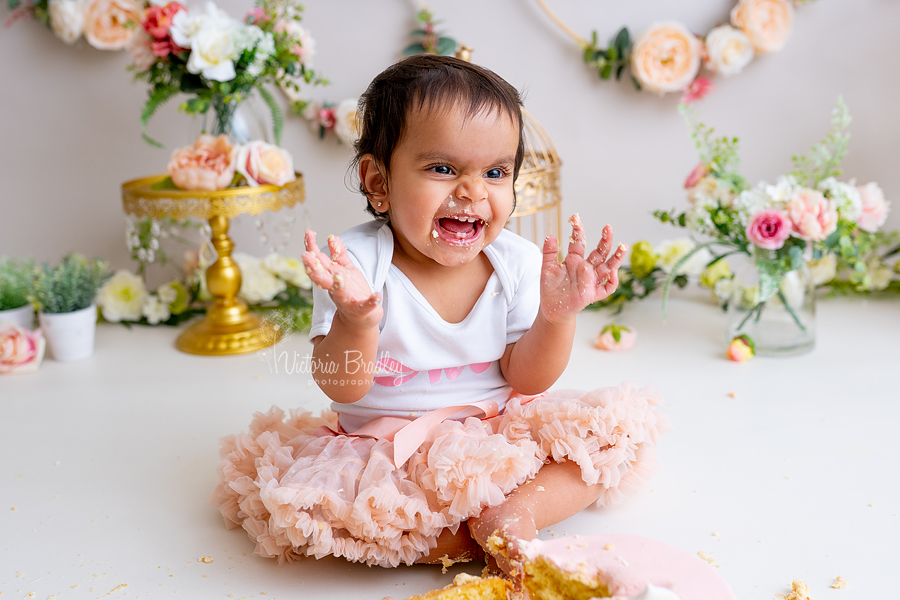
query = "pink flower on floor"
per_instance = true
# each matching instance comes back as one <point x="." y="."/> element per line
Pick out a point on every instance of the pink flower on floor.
<point x="698" y="90"/>
<point x="615" y="338"/>
<point x="207" y="164"/>
<point x="874" y="207"/>
<point x="741" y="349"/>
<point x="21" y="351"/>
<point x="695" y="176"/>
<point x="813" y="216"/>
<point x="769" y="229"/>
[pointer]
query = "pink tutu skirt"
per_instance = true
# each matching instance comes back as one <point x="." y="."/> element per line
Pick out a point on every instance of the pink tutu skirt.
<point x="298" y="492"/>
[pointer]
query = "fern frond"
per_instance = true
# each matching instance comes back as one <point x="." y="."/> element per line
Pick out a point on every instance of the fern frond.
<point x="159" y="97"/>
<point x="277" y="114"/>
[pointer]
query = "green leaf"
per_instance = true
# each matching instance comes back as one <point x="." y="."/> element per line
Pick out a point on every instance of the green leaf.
<point x="619" y="71"/>
<point x="414" y="49"/>
<point x="606" y="71"/>
<point x="612" y="54"/>
<point x="157" y="98"/>
<point x="164" y="184"/>
<point x="667" y="284"/>
<point x="446" y="46"/>
<point x="622" y="41"/>
<point x="275" y="109"/>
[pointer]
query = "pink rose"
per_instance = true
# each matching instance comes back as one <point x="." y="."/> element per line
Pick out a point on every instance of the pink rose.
<point x="769" y="229"/>
<point x="158" y="19"/>
<point x="615" y="338"/>
<point x="696" y="175"/>
<point x="21" y="351"/>
<point x="741" y="349"/>
<point x="813" y="216"/>
<point x="261" y="164"/>
<point x="874" y="207"/>
<point x="142" y="50"/>
<point x="207" y="164"/>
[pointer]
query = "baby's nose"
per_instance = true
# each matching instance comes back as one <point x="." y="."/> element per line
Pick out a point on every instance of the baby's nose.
<point x="472" y="189"/>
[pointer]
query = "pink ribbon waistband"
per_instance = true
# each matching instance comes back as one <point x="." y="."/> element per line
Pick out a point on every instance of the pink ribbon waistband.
<point x="408" y="435"/>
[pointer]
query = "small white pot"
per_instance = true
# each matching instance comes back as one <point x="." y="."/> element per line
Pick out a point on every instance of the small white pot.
<point x="70" y="336"/>
<point x="22" y="316"/>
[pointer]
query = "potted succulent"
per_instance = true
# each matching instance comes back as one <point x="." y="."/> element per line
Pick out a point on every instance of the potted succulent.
<point x="15" y="284"/>
<point x="64" y="298"/>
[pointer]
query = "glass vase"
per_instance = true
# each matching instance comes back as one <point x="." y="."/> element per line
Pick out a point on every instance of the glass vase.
<point x="784" y="324"/>
<point x="241" y="121"/>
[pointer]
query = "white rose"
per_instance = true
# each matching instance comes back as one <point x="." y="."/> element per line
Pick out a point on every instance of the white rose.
<point x="67" y="19"/>
<point x="257" y="283"/>
<point x="823" y="270"/>
<point x="122" y="297"/>
<point x="213" y="51"/>
<point x="186" y="24"/>
<point x="289" y="269"/>
<point x="265" y="164"/>
<point x="728" y="50"/>
<point x="155" y="309"/>
<point x="346" y="125"/>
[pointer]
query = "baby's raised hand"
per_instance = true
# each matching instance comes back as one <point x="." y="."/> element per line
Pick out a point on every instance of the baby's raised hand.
<point x="347" y="287"/>
<point x="568" y="287"/>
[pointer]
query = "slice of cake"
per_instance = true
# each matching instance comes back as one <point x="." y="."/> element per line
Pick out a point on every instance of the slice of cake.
<point x="619" y="566"/>
<point x="470" y="587"/>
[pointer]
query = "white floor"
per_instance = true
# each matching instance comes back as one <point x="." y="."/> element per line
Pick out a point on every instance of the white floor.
<point x="109" y="464"/>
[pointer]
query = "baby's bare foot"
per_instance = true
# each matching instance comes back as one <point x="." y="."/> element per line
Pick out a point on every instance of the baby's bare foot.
<point x="500" y="535"/>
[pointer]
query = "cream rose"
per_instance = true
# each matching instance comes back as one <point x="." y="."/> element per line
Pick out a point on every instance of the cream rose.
<point x="813" y="215"/>
<point x="261" y="164"/>
<point x="874" y="207"/>
<point x="207" y="164"/>
<point x="213" y="51"/>
<point x="258" y="284"/>
<point x="767" y="23"/>
<point x="666" y="58"/>
<point x="110" y="24"/>
<point x="122" y="297"/>
<point x="728" y="50"/>
<point x="346" y="125"/>
<point x="288" y="268"/>
<point x="66" y="19"/>
<point x="21" y="351"/>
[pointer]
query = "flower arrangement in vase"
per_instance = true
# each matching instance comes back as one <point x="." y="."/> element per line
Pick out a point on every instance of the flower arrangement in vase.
<point x="218" y="60"/>
<point x="64" y="297"/>
<point x="805" y="216"/>
<point x="15" y="286"/>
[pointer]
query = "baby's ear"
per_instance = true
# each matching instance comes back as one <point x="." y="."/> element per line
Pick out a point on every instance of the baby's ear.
<point x="374" y="182"/>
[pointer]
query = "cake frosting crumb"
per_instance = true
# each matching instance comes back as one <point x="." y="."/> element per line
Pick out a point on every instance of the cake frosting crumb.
<point x="799" y="591"/>
<point x="609" y="546"/>
<point x="839" y="582"/>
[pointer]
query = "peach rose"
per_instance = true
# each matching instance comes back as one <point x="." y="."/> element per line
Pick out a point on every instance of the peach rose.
<point x="110" y="24"/>
<point x="812" y="215"/>
<point x="766" y="22"/>
<point x="615" y="338"/>
<point x="261" y="164"/>
<point x="874" y="207"/>
<point x="666" y="58"/>
<point x="207" y="164"/>
<point x="741" y="349"/>
<point x="21" y="351"/>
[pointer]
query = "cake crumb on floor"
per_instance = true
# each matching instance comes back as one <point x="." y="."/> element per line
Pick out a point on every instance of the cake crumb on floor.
<point x="799" y="591"/>
<point x="205" y="559"/>
<point x="839" y="582"/>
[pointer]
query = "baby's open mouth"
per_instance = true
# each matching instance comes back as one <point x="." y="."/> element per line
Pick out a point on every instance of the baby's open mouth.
<point x="461" y="229"/>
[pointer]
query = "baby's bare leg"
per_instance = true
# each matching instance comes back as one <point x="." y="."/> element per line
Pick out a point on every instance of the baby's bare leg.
<point x="458" y="547"/>
<point x="556" y="493"/>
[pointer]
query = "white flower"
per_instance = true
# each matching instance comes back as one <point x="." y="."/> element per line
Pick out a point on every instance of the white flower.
<point x="214" y="50"/>
<point x="289" y="269"/>
<point x="262" y="44"/>
<point x="723" y="289"/>
<point x="846" y="198"/>
<point x="671" y="251"/>
<point x="66" y="19"/>
<point x="155" y="309"/>
<point x="186" y="24"/>
<point x="793" y="290"/>
<point x="782" y="190"/>
<point x="257" y="283"/>
<point x="697" y="217"/>
<point x="346" y="126"/>
<point x="167" y="293"/>
<point x="305" y="46"/>
<point x="823" y="270"/>
<point x="750" y="202"/>
<point x="728" y="50"/>
<point x="122" y="297"/>
<point x="878" y="275"/>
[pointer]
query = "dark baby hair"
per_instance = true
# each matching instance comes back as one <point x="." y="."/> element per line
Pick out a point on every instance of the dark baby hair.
<point x="428" y="80"/>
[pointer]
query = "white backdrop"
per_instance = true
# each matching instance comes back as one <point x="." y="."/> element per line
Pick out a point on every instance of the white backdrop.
<point x="70" y="126"/>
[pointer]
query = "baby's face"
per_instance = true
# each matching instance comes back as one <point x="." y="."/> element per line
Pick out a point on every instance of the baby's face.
<point x="451" y="184"/>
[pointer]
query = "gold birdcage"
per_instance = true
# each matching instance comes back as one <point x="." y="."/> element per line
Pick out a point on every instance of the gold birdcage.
<point x="538" y="210"/>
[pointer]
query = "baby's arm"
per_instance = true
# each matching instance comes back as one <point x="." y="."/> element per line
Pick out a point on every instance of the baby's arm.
<point x="534" y="363"/>
<point x="350" y="347"/>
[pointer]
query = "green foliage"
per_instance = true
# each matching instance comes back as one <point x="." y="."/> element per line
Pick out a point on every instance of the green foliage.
<point x="720" y="155"/>
<point x="70" y="286"/>
<point x="15" y="282"/>
<point x="275" y="109"/>
<point x="612" y="60"/>
<point x="824" y="159"/>
<point x="427" y="39"/>
<point x="158" y="96"/>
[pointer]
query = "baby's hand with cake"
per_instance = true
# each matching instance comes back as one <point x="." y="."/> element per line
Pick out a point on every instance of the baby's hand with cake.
<point x="349" y="290"/>
<point x="568" y="287"/>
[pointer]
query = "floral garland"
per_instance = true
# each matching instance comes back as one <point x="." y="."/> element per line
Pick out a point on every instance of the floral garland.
<point x="667" y="57"/>
<point x="105" y="24"/>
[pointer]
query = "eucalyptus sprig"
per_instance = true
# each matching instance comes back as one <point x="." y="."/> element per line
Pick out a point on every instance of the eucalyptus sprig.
<point x="428" y="39"/>
<point x="610" y="60"/>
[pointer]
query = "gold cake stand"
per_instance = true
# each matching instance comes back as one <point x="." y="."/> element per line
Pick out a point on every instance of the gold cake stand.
<point x="229" y="327"/>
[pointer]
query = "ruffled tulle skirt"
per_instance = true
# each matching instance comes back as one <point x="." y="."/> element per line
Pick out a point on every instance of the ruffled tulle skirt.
<point x="299" y="492"/>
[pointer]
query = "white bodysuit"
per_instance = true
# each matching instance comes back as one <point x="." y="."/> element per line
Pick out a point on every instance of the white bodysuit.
<point x="424" y="362"/>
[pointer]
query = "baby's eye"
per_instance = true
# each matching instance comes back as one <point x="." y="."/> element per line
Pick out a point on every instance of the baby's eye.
<point x="495" y="174"/>
<point x="442" y="170"/>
